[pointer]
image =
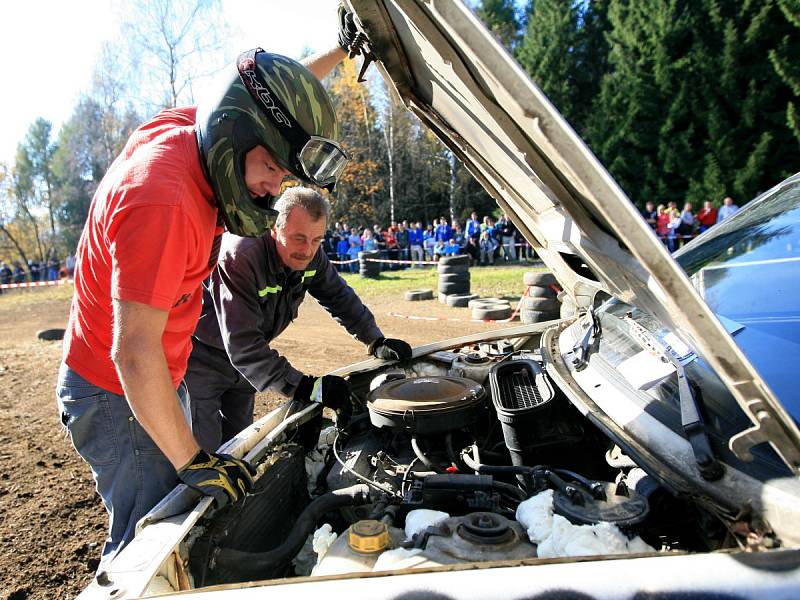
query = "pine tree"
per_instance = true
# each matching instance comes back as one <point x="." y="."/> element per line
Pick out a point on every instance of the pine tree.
<point x="547" y="52"/>
<point x="565" y="52"/>
<point x="784" y="59"/>
<point x="637" y="102"/>
<point x="501" y="19"/>
<point x="748" y="144"/>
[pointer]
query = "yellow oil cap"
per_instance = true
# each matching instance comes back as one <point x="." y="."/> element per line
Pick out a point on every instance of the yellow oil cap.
<point x="368" y="536"/>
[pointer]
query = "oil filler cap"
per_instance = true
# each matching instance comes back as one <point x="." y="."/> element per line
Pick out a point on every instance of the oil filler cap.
<point x="368" y="536"/>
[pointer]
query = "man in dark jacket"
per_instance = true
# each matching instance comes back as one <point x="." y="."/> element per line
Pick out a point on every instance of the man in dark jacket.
<point x="252" y="296"/>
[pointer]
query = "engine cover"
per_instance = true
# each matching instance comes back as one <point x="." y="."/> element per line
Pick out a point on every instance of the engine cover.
<point x="426" y="404"/>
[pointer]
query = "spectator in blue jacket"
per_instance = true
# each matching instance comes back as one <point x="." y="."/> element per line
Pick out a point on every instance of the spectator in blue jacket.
<point x="353" y="254"/>
<point x="415" y="240"/>
<point x="443" y="231"/>
<point x="342" y="246"/>
<point x="473" y="226"/>
<point x="428" y="241"/>
<point x="451" y="248"/>
<point x="368" y="241"/>
<point x="438" y="249"/>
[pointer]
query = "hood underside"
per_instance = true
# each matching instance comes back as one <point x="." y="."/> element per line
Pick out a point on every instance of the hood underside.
<point x="452" y="73"/>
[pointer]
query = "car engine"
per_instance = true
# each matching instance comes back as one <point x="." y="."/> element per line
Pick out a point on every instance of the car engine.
<point x="463" y="456"/>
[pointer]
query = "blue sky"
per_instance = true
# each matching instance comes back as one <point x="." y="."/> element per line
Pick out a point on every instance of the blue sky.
<point x="48" y="50"/>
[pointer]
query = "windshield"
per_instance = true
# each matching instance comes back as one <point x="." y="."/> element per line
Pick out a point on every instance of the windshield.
<point x="747" y="269"/>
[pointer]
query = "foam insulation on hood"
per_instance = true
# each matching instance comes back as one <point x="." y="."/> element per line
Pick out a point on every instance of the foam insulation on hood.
<point x="556" y="537"/>
<point x="420" y="519"/>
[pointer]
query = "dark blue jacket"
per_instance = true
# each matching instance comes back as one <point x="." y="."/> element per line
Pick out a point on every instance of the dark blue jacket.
<point x="250" y="298"/>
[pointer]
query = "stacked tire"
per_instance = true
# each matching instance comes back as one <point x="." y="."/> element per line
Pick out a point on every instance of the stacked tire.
<point x="541" y="303"/>
<point x="490" y="309"/>
<point x="371" y="270"/>
<point x="453" y="275"/>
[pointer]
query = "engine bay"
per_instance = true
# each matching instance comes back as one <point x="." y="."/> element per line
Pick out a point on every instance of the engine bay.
<point x="465" y="456"/>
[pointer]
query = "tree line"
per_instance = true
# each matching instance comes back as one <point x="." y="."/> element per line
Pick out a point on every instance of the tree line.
<point x="680" y="99"/>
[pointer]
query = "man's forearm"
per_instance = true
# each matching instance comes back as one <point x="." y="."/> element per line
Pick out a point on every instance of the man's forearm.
<point x="322" y="63"/>
<point x="148" y="388"/>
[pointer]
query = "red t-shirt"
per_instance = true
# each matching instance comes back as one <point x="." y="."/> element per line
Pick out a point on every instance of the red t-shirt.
<point x="147" y="239"/>
<point x="707" y="216"/>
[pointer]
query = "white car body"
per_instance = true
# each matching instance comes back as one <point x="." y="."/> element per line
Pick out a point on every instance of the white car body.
<point x="452" y="73"/>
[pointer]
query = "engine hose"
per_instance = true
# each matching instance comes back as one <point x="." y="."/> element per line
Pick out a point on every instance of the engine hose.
<point x="253" y="564"/>
<point x="510" y="490"/>
<point x="451" y="453"/>
<point x="526" y="472"/>
<point x="424" y="459"/>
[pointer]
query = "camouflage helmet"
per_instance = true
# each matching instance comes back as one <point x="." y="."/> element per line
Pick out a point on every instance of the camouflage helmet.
<point x="272" y="101"/>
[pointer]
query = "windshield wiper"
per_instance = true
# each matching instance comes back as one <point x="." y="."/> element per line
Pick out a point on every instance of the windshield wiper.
<point x="692" y="424"/>
<point x="580" y="351"/>
<point x="691" y="419"/>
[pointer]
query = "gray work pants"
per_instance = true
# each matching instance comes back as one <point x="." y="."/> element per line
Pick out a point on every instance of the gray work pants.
<point x="131" y="474"/>
<point x="222" y="399"/>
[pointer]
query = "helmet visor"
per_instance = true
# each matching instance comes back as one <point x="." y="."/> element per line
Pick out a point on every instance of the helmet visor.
<point x="322" y="160"/>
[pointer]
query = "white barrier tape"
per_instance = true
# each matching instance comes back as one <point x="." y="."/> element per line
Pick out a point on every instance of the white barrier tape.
<point x="343" y="262"/>
<point x="10" y="286"/>
<point x="418" y="318"/>
<point x="402" y="262"/>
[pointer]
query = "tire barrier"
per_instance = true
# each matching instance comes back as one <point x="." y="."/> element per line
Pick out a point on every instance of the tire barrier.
<point x="460" y="300"/>
<point x="540" y="302"/>
<point x="483" y="301"/>
<point x="539" y="291"/>
<point x="454" y="277"/>
<point x="451" y="261"/>
<point x="50" y="335"/>
<point x="539" y="278"/>
<point x="486" y="307"/>
<point x="415" y="295"/>
<point x="366" y="267"/>
<point x="492" y="312"/>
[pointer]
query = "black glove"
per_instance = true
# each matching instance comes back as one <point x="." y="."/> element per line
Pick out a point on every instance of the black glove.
<point x="331" y="391"/>
<point x="390" y="349"/>
<point x="220" y="476"/>
<point x="348" y="33"/>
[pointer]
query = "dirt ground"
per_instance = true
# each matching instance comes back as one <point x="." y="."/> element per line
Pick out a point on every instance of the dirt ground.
<point x="52" y="524"/>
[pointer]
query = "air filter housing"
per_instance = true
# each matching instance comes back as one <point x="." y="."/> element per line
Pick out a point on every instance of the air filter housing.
<point x="426" y="404"/>
<point x="521" y="392"/>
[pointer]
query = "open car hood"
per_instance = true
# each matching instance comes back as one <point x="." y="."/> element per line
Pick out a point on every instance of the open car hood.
<point x="451" y="72"/>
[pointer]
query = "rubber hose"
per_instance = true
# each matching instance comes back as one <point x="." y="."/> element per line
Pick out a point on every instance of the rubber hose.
<point x="424" y="459"/>
<point x="494" y="469"/>
<point x="451" y="453"/>
<point x="251" y="564"/>
<point x="524" y="474"/>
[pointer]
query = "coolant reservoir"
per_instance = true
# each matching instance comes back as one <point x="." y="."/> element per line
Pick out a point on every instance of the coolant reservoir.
<point x="357" y="549"/>
<point x="473" y="365"/>
<point x="476" y="537"/>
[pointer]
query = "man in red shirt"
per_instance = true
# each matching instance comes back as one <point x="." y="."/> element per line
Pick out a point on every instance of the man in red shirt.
<point x="706" y="216"/>
<point x="151" y="237"/>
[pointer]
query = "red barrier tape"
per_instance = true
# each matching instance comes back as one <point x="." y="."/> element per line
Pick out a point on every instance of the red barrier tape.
<point x="11" y="286"/>
<point x="402" y="262"/>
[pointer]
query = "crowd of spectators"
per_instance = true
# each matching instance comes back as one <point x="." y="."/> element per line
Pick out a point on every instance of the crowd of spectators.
<point x="484" y="241"/>
<point x="675" y="227"/>
<point x="51" y="269"/>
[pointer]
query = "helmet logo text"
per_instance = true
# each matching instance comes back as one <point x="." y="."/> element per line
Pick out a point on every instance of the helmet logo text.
<point x="262" y="93"/>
